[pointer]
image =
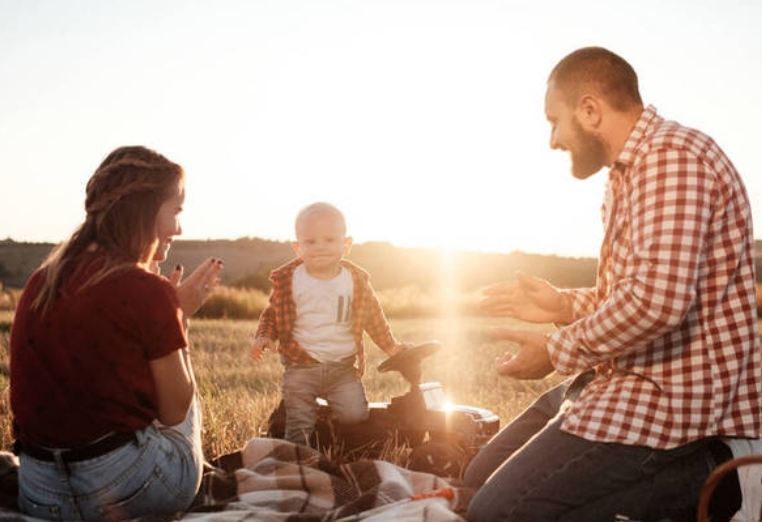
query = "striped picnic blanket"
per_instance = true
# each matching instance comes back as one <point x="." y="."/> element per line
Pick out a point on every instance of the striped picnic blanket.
<point x="271" y="480"/>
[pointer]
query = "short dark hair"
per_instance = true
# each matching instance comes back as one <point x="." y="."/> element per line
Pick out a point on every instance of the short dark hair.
<point x="600" y="70"/>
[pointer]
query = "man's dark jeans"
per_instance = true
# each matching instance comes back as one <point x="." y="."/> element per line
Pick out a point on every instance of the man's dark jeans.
<point x="554" y="476"/>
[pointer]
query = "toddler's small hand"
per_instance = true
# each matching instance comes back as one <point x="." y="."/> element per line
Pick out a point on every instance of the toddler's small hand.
<point x="260" y="345"/>
<point x="399" y="347"/>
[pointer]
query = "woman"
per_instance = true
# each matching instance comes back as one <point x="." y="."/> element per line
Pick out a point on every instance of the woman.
<point x="102" y="389"/>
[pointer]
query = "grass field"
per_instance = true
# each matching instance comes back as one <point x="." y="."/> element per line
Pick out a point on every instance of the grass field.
<point x="238" y="394"/>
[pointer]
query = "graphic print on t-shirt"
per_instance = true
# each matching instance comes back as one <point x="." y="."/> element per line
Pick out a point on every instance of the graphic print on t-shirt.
<point x="344" y="309"/>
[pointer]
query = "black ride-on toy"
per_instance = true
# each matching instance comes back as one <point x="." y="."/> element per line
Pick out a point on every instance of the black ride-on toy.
<point x="443" y="437"/>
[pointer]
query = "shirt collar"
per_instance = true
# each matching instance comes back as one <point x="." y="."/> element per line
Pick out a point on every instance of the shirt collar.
<point x="643" y="128"/>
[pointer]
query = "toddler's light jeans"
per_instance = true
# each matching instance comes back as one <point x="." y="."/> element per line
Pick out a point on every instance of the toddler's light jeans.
<point x="336" y="382"/>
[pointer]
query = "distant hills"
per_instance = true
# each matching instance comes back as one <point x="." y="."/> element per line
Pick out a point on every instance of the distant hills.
<point x="389" y="266"/>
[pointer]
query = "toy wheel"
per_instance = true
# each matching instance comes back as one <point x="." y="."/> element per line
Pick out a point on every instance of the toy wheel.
<point x="439" y="458"/>
<point x="276" y="423"/>
<point x="413" y="355"/>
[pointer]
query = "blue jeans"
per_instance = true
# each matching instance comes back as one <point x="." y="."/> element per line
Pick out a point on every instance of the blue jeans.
<point x="514" y="435"/>
<point x="159" y="474"/>
<point x="336" y="382"/>
<point x="533" y="471"/>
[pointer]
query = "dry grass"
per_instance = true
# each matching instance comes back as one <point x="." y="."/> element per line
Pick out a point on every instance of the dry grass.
<point x="238" y="394"/>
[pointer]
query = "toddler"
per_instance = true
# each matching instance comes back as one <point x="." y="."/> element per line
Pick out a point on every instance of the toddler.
<point x="319" y="307"/>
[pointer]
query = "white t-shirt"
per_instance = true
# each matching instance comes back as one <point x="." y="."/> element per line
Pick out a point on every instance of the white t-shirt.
<point x="323" y="325"/>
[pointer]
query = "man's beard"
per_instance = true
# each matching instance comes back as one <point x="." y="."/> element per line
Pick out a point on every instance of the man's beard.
<point x="588" y="155"/>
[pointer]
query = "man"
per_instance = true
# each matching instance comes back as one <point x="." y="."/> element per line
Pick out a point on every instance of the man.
<point x="665" y="347"/>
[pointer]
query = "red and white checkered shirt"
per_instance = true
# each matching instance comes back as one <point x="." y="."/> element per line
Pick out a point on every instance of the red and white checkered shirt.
<point x="671" y="326"/>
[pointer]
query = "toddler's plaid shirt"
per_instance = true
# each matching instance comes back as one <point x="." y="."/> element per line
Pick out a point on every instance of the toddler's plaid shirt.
<point x="277" y="320"/>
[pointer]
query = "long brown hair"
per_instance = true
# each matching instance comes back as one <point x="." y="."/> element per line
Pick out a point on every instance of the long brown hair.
<point x="122" y="201"/>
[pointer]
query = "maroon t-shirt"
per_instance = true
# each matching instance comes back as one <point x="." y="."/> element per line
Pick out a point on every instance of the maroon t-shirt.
<point x="82" y="370"/>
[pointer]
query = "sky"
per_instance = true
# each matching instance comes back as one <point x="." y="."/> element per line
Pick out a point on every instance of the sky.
<point x="421" y="119"/>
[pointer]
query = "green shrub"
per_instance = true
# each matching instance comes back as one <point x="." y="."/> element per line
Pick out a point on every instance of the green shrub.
<point x="233" y="303"/>
<point x="406" y="302"/>
<point x="258" y="280"/>
<point x="8" y="298"/>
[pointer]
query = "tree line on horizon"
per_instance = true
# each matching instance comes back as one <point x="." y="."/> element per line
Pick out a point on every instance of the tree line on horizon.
<point x="248" y="262"/>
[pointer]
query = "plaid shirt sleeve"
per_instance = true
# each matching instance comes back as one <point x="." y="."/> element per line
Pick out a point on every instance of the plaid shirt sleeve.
<point x="583" y="301"/>
<point x="272" y="317"/>
<point x="277" y="320"/>
<point x="368" y="313"/>
<point x="659" y="278"/>
<point x="266" y="326"/>
<point x="377" y="325"/>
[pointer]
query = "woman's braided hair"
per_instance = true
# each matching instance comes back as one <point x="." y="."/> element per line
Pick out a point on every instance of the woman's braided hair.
<point x="122" y="201"/>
